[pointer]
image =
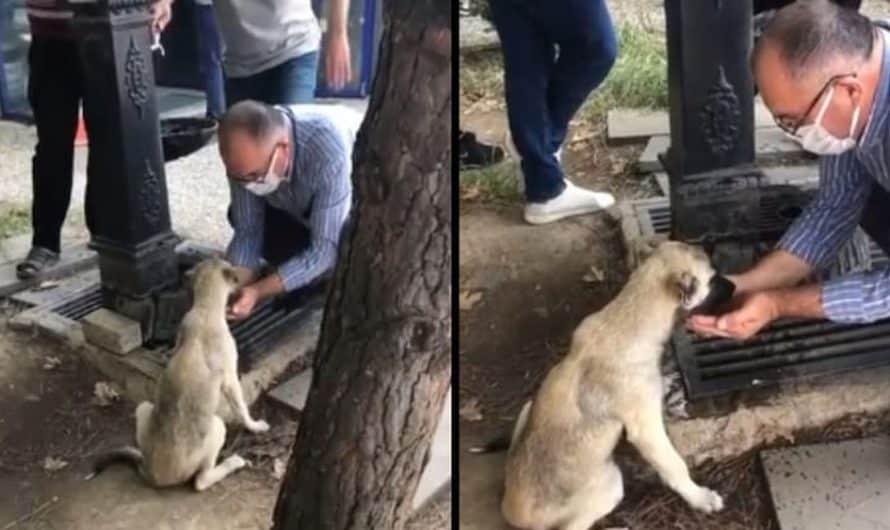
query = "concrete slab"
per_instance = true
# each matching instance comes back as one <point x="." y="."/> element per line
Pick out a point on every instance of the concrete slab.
<point x="438" y="470"/>
<point x="73" y="260"/>
<point x="831" y="486"/>
<point x="635" y="125"/>
<point x="293" y="392"/>
<point x="771" y="146"/>
<point x="480" y="489"/>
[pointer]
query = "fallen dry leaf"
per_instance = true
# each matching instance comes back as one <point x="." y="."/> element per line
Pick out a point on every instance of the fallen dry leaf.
<point x="470" y="192"/>
<point x="468" y="300"/>
<point x="47" y="285"/>
<point x="53" y="464"/>
<point x="278" y="468"/>
<point x="51" y="363"/>
<point x="470" y="410"/>
<point x="104" y="394"/>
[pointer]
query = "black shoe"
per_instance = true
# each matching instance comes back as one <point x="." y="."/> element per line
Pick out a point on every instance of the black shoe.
<point x="475" y="154"/>
<point x="38" y="260"/>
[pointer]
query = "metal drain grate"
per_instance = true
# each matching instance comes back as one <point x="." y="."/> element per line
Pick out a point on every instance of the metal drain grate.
<point x="252" y="335"/>
<point x="788" y="350"/>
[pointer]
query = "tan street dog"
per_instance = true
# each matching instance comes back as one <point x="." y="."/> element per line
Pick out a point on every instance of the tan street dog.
<point x="179" y="437"/>
<point x="559" y="470"/>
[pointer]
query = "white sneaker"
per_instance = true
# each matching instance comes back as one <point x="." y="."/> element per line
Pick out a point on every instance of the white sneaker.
<point x="572" y="201"/>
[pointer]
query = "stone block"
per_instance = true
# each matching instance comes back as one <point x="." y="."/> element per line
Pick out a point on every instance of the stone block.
<point x="112" y="331"/>
<point x="293" y="392"/>
<point x="830" y="486"/>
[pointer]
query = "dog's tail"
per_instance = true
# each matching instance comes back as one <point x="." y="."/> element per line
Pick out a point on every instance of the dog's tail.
<point x="497" y="444"/>
<point x="122" y="455"/>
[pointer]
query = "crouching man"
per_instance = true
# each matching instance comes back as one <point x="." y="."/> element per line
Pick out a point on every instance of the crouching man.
<point x="289" y="170"/>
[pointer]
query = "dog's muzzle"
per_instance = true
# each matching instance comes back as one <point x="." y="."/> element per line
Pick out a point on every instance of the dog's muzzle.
<point x="720" y="291"/>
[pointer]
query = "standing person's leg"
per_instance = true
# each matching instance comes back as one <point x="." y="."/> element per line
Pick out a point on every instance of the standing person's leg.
<point x="55" y="106"/>
<point x="528" y="58"/>
<point x="294" y="80"/>
<point x="210" y="52"/>
<point x="587" y="51"/>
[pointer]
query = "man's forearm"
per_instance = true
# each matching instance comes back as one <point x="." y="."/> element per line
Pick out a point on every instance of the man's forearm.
<point x="778" y="269"/>
<point x="270" y="286"/>
<point x="799" y="302"/>
<point x="337" y="17"/>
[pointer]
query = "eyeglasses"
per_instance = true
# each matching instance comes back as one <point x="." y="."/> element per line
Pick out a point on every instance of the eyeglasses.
<point x="791" y="126"/>
<point x="256" y="176"/>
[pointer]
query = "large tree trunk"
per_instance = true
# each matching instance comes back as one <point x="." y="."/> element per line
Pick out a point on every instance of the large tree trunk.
<point x="383" y="363"/>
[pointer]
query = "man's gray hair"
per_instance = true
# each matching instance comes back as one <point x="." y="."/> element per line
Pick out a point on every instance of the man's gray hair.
<point x="257" y="120"/>
<point x="811" y="34"/>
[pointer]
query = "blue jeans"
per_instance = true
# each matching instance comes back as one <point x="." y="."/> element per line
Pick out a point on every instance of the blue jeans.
<point x="210" y="57"/>
<point x="555" y="54"/>
<point x="293" y="81"/>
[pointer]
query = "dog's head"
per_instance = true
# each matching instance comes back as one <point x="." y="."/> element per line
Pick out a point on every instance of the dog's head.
<point x="215" y="273"/>
<point x="688" y="273"/>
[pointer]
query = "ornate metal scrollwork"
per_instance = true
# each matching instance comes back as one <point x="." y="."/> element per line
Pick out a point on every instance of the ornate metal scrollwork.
<point x="134" y="78"/>
<point x="721" y="115"/>
<point x="150" y="196"/>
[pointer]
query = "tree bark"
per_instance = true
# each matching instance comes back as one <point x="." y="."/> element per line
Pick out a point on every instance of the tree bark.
<point x="383" y="363"/>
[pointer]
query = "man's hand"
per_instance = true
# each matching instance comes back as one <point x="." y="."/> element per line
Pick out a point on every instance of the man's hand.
<point x="161" y="13"/>
<point x="246" y="300"/>
<point x="752" y="313"/>
<point x="338" y="63"/>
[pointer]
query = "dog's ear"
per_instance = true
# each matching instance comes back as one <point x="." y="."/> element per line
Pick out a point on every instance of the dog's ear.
<point x="684" y="284"/>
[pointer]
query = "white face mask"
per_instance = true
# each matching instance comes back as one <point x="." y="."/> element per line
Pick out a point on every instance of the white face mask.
<point x="269" y="183"/>
<point x="816" y="139"/>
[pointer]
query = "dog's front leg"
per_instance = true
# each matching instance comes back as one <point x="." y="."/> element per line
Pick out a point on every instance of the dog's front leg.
<point x="646" y="432"/>
<point x="232" y="391"/>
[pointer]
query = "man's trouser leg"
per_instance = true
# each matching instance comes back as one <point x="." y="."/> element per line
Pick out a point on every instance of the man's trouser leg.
<point x="54" y="88"/>
<point x="288" y="83"/>
<point x="529" y="56"/>
<point x="587" y="50"/>
<point x="876" y="217"/>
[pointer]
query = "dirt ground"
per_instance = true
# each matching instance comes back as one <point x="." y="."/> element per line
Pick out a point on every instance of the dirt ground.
<point x="48" y="410"/>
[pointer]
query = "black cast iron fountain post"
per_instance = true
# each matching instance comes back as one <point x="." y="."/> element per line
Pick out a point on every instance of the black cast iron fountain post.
<point x="716" y="190"/>
<point x="132" y="232"/>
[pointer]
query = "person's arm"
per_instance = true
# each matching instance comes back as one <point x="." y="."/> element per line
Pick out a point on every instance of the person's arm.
<point x="812" y="242"/>
<point x="248" y="218"/>
<point x="828" y="222"/>
<point x="338" y="63"/>
<point x="330" y="208"/>
<point x="859" y="298"/>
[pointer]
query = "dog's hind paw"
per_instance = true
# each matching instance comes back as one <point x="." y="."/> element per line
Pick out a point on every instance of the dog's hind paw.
<point x="707" y="500"/>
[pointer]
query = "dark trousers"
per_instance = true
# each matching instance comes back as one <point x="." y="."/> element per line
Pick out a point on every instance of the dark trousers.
<point x="288" y="83"/>
<point x="876" y="217"/>
<point x="283" y="236"/>
<point x="55" y="90"/>
<point x="545" y="88"/>
<point x="210" y="56"/>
